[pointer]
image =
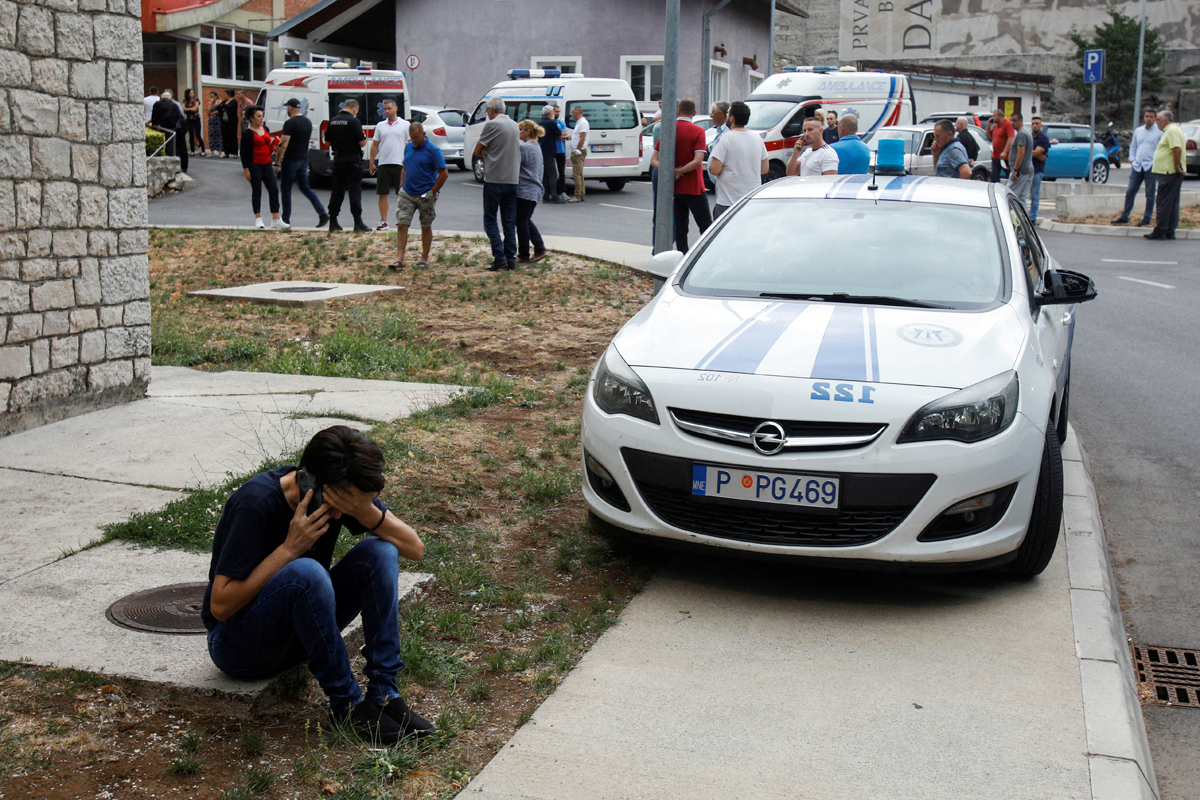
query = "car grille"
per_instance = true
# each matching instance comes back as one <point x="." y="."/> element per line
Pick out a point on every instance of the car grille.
<point x="872" y="506"/>
<point x="800" y="434"/>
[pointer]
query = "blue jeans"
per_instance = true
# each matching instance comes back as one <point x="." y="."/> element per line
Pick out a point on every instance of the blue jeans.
<point x="1135" y="182"/>
<point x="1035" y="195"/>
<point x="299" y="615"/>
<point x="296" y="171"/>
<point x="501" y="197"/>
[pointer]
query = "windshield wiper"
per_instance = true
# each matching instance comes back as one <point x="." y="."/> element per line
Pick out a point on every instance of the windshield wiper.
<point x="843" y="297"/>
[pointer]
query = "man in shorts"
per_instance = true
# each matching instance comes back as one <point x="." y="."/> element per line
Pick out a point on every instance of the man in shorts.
<point x="422" y="177"/>
<point x="386" y="161"/>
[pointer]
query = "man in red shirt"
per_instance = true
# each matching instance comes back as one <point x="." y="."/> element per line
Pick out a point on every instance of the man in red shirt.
<point x="690" y="148"/>
<point x="1001" y="132"/>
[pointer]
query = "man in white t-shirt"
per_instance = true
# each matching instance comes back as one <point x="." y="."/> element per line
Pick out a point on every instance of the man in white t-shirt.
<point x="386" y="160"/>
<point x="579" y="151"/>
<point x="820" y="159"/>
<point x="738" y="160"/>
<point x="148" y="102"/>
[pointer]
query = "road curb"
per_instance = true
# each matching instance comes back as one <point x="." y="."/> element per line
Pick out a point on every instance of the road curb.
<point x="1119" y="759"/>
<point x="1107" y="230"/>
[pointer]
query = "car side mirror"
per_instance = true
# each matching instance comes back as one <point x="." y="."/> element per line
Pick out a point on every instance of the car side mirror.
<point x="792" y="129"/>
<point x="926" y="151"/>
<point x="1063" y="287"/>
<point x="663" y="265"/>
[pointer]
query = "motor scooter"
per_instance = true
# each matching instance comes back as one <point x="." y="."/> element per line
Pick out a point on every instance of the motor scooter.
<point x="1112" y="148"/>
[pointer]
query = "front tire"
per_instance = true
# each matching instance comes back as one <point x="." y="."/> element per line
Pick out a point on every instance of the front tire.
<point x="615" y="184"/>
<point x="775" y="171"/>
<point x="1042" y="536"/>
<point x="1100" y="172"/>
<point x="477" y="168"/>
<point x="980" y="174"/>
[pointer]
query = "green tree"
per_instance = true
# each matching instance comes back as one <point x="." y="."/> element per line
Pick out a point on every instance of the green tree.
<point x="1118" y="38"/>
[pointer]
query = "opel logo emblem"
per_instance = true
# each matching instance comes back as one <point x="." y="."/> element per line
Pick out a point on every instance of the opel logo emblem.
<point x="768" y="438"/>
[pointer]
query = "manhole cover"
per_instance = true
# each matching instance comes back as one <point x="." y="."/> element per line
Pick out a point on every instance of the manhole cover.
<point x="300" y="289"/>
<point x="167" y="609"/>
<point x="1168" y="675"/>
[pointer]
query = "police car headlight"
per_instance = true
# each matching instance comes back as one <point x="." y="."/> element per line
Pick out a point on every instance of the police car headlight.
<point x="618" y="390"/>
<point x="968" y="415"/>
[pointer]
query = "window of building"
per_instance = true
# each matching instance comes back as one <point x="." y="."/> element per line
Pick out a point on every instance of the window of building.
<point x="972" y="99"/>
<point x="560" y="63"/>
<point x="230" y="54"/>
<point x="756" y="79"/>
<point x="644" y="74"/>
<point x="718" y="82"/>
<point x="158" y="53"/>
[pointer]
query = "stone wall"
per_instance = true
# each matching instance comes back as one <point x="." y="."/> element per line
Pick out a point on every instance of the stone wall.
<point x="74" y="279"/>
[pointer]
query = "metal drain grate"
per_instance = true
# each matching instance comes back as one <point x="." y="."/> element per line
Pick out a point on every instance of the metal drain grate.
<point x="1168" y="675"/>
<point x="167" y="609"/>
<point x="302" y="289"/>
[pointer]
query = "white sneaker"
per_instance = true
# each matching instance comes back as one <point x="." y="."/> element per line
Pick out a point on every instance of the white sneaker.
<point x="382" y="227"/>
<point x="281" y="225"/>
<point x="258" y="223"/>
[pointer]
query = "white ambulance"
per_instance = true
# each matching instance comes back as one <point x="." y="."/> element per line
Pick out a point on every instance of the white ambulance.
<point x="781" y="103"/>
<point x="322" y="89"/>
<point x="615" y="141"/>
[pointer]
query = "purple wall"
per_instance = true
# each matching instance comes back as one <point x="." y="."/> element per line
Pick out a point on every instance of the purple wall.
<point x="467" y="46"/>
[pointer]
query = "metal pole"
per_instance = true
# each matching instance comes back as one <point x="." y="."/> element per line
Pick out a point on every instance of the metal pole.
<point x="771" y="44"/>
<point x="1137" y="94"/>
<point x="664" y="209"/>
<point x="1088" y="179"/>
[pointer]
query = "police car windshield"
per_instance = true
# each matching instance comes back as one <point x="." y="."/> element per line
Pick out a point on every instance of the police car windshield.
<point x="886" y="252"/>
<point x="766" y="114"/>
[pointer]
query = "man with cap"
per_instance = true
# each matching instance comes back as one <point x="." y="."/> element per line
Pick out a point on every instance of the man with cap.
<point x="346" y="138"/>
<point x="293" y="162"/>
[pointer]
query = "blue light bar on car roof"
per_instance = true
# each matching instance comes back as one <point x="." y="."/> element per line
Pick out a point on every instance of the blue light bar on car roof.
<point x="514" y="74"/>
<point x="889" y="159"/>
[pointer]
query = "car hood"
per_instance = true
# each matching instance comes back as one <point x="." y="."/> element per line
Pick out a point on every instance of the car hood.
<point x="819" y="340"/>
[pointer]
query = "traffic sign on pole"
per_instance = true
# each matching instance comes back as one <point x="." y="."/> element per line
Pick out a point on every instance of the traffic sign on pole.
<point x="1093" y="66"/>
<point x="412" y="61"/>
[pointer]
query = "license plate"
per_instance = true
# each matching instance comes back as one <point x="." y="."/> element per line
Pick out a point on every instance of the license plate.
<point x="785" y="489"/>
<point x="604" y="148"/>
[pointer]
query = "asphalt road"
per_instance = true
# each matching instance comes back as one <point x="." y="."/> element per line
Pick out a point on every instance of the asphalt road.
<point x="221" y="196"/>
<point x="1132" y="399"/>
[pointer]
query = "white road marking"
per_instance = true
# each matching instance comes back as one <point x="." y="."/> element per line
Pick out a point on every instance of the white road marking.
<point x="1126" y="261"/>
<point x="627" y="208"/>
<point x="1148" y="283"/>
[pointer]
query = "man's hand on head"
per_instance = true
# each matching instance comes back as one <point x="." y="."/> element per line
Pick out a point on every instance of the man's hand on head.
<point x="304" y="530"/>
<point x="354" y="503"/>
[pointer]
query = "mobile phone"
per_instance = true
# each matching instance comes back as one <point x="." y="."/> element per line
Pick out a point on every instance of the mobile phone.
<point x="306" y="482"/>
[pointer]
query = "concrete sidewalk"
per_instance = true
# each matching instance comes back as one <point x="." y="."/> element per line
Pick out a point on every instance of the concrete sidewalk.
<point x="728" y="680"/>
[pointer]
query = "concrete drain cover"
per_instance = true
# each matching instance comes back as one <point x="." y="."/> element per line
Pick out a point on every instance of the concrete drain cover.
<point x="1168" y="675"/>
<point x="295" y="293"/>
<point x="167" y="609"/>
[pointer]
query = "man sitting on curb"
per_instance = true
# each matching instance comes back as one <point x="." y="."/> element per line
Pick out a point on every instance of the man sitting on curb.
<point x="421" y="178"/>
<point x="273" y="601"/>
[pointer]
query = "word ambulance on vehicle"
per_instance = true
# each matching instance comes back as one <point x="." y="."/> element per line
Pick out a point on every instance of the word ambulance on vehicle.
<point x="322" y="90"/>
<point x="614" y="143"/>
<point x="781" y="103"/>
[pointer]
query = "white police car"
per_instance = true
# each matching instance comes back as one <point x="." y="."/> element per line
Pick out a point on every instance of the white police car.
<point x="846" y="367"/>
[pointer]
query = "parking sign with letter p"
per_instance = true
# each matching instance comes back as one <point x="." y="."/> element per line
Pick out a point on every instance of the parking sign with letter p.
<point x="1093" y="66"/>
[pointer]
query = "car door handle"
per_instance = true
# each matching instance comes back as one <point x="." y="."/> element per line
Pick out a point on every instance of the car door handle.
<point x="1066" y="318"/>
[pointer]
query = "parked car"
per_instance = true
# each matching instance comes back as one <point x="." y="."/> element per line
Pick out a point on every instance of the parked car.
<point x="918" y="148"/>
<point x="904" y="410"/>
<point x="972" y="117"/>
<point x="1192" y="154"/>
<point x="445" y="128"/>
<point x="1069" y="155"/>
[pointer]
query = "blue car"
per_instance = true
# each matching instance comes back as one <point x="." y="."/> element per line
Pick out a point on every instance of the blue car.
<point x="1069" y="153"/>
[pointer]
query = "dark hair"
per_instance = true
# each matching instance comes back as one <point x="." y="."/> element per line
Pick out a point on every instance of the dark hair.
<point x="1017" y="116"/>
<point x="252" y="110"/>
<point x="944" y="125"/>
<point x="686" y="107"/>
<point x="351" y="103"/>
<point x="187" y="92"/>
<point x="229" y="92"/>
<point x="391" y="100"/>
<point x="740" y="113"/>
<point x="1035" y="118"/>
<point x="342" y="457"/>
<point x="153" y="90"/>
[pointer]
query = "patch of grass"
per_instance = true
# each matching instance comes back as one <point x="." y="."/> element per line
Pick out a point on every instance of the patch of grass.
<point x="185" y="764"/>
<point x="253" y="741"/>
<point x="479" y="690"/>
<point x="259" y="778"/>
<point x="191" y="742"/>
<point x="548" y="485"/>
<point x="497" y="660"/>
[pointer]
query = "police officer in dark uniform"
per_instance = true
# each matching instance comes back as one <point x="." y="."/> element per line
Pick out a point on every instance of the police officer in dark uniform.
<point x="346" y="138"/>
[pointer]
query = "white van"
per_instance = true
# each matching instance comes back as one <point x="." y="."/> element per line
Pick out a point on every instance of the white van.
<point x="781" y="103"/>
<point x="615" y="141"/>
<point x="322" y="89"/>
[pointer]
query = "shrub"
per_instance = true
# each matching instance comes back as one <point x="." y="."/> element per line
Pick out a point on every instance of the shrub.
<point x="154" y="140"/>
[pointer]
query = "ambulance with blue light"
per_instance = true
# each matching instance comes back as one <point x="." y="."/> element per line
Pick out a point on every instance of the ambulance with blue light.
<point x="615" y="142"/>
<point x="322" y="89"/>
<point x="781" y="103"/>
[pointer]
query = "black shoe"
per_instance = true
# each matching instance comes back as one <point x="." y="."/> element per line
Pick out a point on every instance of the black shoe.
<point x="322" y="220"/>
<point x="1119" y="221"/>
<point x="333" y="225"/>
<point x="1154" y="235"/>
<point x="411" y="723"/>
<point x="1143" y="223"/>
<point x="498" y="265"/>
<point x="1170" y="237"/>
<point x="361" y="227"/>
<point x="369" y="721"/>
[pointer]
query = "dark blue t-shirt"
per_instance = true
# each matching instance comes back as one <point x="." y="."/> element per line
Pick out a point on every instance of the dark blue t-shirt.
<point x="421" y="167"/>
<point x="1042" y="141"/>
<point x="255" y="522"/>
